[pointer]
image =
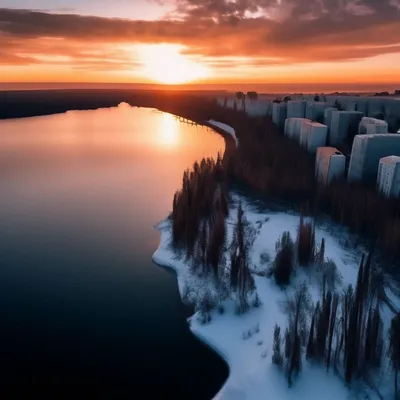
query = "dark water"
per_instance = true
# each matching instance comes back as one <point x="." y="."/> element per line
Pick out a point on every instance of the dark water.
<point x="81" y="303"/>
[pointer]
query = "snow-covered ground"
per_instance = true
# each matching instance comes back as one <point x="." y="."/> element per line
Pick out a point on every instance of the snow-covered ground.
<point x="228" y="129"/>
<point x="245" y="341"/>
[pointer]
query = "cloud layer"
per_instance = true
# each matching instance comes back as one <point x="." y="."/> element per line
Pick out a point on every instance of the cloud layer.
<point x="264" y="31"/>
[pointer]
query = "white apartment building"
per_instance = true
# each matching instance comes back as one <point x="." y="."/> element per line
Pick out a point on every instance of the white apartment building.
<point x="315" y="110"/>
<point x="344" y="124"/>
<point x="366" y="153"/>
<point x="279" y="112"/>
<point x="296" y="109"/>
<point x="330" y="164"/>
<point x="388" y="181"/>
<point x="293" y="127"/>
<point x="371" y="126"/>
<point x="313" y="135"/>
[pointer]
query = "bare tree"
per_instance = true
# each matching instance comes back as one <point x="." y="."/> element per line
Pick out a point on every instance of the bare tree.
<point x="298" y="309"/>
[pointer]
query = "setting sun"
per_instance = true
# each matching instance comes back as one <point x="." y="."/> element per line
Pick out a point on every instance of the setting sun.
<point x="164" y="63"/>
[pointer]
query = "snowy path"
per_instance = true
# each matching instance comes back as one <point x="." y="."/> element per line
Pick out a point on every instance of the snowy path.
<point x="228" y="129"/>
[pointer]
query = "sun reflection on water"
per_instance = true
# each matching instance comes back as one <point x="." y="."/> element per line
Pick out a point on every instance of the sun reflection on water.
<point x="169" y="130"/>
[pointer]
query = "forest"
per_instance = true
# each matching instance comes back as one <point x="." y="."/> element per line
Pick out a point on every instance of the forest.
<point x="344" y="329"/>
<point x="199" y="235"/>
<point x="278" y="169"/>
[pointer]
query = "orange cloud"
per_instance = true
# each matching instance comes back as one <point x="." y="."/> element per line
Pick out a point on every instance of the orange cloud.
<point x="226" y="36"/>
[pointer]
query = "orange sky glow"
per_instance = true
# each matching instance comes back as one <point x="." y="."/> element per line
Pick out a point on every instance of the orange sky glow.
<point x="354" y="42"/>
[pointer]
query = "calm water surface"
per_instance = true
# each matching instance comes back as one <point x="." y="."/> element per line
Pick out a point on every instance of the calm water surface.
<point x="80" y="300"/>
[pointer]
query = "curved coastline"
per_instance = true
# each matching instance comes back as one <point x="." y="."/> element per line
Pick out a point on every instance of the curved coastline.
<point x="230" y="138"/>
<point x="231" y="143"/>
<point x="162" y="257"/>
<point x="164" y="262"/>
<point x="245" y="344"/>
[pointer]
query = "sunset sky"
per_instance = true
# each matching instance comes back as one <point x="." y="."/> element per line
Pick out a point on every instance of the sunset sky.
<point x="200" y="41"/>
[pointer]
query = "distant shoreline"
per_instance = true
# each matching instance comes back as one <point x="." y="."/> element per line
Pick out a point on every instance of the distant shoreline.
<point x="194" y="106"/>
<point x="33" y="103"/>
<point x="265" y="87"/>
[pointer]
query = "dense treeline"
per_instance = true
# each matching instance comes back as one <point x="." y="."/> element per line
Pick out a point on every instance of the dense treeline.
<point x="365" y="211"/>
<point x="202" y="200"/>
<point x="346" y="330"/>
<point x="199" y="231"/>
<point x="291" y="256"/>
<point x="271" y="163"/>
<point x="278" y="168"/>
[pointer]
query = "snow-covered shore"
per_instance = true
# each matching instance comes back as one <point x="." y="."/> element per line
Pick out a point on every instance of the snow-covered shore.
<point x="245" y="341"/>
<point x="226" y="128"/>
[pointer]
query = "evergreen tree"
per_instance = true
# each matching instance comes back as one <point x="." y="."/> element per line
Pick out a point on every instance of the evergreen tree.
<point x="288" y="343"/>
<point x="373" y="339"/>
<point x="354" y="351"/>
<point x="347" y="305"/>
<point x="201" y="248"/>
<point x="298" y="308"/>
<point x="321" y="255"/>
<point x="323" y="326"/>
<point x="276" y="348"/>
<point x="216" y="247"/>
<point x="241" y="279"/>
<point x="295" y="360"/>
<point x="305" y="242"/>
<point x="283" y="263"/>
<point x="331" y="328"/>
<point x="310" y="353"/>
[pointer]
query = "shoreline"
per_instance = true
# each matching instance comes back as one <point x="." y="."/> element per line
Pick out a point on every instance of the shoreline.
<point x="161" y="262"/>
<point x="245" y="342"/>
<point x="230" y="137"/>
<point x="210" y="334"/>
<point x="196" y="107"/>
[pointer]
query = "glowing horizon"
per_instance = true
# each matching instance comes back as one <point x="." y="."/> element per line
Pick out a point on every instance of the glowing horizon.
<point x="191" y="42"/>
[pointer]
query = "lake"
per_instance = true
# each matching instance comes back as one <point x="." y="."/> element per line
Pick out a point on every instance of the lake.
<point x="81" y="301"/>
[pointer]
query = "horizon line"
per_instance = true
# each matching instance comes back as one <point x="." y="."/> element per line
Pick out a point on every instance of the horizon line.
<point x="266" y="87"/>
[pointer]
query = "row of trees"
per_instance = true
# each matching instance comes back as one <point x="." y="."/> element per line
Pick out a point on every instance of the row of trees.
<point x="302" y="253"/>
<point x="345" y="330"/>
<point x="200" y="205"/>
<point x="199" y="233"/>
<point x="365" y="211"/>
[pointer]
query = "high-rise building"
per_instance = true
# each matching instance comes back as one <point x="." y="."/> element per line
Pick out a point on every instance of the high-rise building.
<point x="367" y="151"/>
<point x="372" y="125"/>
<point x="328" y="115"/>
<point x="296" y="109"/>
<point x="388" y="181"/>
<point x="313" y="135"/>
<point x="315" y="110"/>
<point x="279" y="112"/>
<point x="344" y="124"/>
<point x="293" y="127"/>
<point x="258" y="108"/>
<point x="330" y="164"/>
